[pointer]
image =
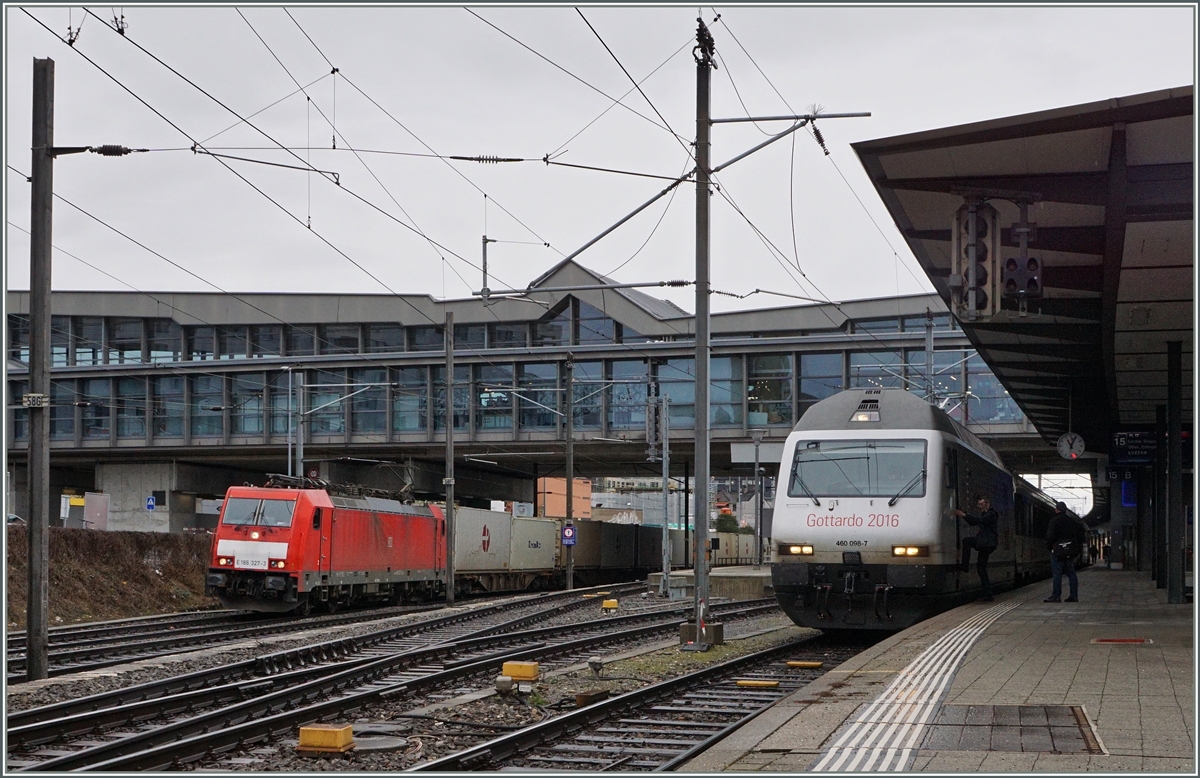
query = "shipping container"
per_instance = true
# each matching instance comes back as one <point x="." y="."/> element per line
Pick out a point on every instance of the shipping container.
<point x="482" y="540"/>
<point x="618" y="544"/>
<point x="533" y="542"/>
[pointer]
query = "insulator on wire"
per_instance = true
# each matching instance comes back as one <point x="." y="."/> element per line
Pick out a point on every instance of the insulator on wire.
<point x="820" y="138"/>
<point x="110" y="150"/>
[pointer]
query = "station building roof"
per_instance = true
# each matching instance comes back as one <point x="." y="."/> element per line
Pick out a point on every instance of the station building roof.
<point x="1111" y="185"/>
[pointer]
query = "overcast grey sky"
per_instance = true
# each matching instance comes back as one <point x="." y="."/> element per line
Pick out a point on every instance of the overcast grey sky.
<point x="412" y="80"/>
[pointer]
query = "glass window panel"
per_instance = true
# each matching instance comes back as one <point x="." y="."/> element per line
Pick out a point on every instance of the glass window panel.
<point x="165" y="338"/>
<point x="201" y="343"/>
<point x="469" y="336"/>
<point x="301" y="340"/>
<point x="989" y="402"/>
<point x="246" y="397"/>
<point x="208" y="395"/>
<point x="553" y="328"/>
<point x="95" y="397"/>
<point x="410" y="399"/>
<point x="594" y="325"/>
<point x="630" y="335"/>
<point x="17" y="390"/>
<point x="62" y="409"/>
<point x="60" y="341"/>
<point x="493" y="404"/>
<point x="384" y="338"/>
<point x="368" y="408"/>
<point x="124" y="341"/>
<point x="769" y="389"/>
<point x="339" y="339"/>
<point x="627" y="401"/>
<point x="233" y="342"/>
<point x="462" y="397"/>
<point x="89" y="340"/>
<point x="878" y="325"/>
<point x="820" y="377"/>
<point x="677" y="381"/>
<point x="587" y="397"/>
<point x="875" y="369"/>
<point x="131" y="407"/>
<point x="508" y="335"/>
<point x="725" y="392"/>
<point x="538" y="380"/>
<point x="266" y="340"/>
<point x="941" y="321"/>
<point x="329" y="392"/>
<point x="18" y="338"/>
<point x="167" y="409"/>
<point x="426" y="339"/>
<point x="283" y="403"/>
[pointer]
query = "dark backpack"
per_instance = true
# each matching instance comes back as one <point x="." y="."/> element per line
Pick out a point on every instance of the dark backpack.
<point x="1065" y="549"/>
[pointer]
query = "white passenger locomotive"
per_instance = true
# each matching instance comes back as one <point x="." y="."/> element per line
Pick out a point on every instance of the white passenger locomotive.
<point x="864" y="533"/>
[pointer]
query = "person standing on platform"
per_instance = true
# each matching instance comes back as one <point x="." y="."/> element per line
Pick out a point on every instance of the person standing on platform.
<point x="1064" y="539"/>
<point x="984" y="541"/>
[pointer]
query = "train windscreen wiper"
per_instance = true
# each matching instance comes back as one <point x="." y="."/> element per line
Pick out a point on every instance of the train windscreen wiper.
<point x="796" y="477"/>
<point x="905" y="489"/>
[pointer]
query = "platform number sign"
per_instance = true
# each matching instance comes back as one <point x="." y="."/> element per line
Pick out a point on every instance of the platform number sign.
<point x="150" y="503"/>
<point x="568" y="536"/>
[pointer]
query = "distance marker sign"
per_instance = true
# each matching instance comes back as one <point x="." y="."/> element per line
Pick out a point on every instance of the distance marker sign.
<point x="568" y="535"/>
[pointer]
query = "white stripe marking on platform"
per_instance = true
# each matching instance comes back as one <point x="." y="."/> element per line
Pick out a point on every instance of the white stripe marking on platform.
<point x="886" y="733"/>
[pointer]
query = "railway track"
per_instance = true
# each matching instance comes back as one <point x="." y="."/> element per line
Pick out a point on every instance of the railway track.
<point x="657" y="728"/>
<point x="106" y="644"/>
<point x="153" y="728"/>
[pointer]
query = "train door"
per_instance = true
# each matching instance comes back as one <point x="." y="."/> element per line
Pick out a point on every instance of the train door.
<point x="323" y="526"/>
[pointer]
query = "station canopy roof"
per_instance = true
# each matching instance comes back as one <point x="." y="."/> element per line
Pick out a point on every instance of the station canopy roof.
<point x="1110" y="190"/>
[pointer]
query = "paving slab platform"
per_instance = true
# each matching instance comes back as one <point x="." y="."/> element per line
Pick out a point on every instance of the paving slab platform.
<point x="1017" y="685"/>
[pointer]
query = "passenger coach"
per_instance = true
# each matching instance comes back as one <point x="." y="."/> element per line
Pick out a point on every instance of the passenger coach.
<point x="864" y="531"/>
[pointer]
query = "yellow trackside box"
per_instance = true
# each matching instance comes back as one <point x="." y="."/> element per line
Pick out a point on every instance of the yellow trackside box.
<point x="806" y="665"/>
<point x="326" y="738"/>
<point x="753" y="684"/>
<point x="609" y="605"/>
<point x="521" y="671"/>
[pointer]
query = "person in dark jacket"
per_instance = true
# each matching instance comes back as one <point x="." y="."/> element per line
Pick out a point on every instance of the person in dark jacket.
<point x="1063" y="527"/>
<point x="984" y="541"/>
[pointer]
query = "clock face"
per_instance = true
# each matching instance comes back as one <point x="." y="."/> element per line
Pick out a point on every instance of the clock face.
<point x="1070" y="446"/>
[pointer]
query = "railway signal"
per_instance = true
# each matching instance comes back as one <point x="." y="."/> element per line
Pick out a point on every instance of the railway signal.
<point x="976" y="244"/>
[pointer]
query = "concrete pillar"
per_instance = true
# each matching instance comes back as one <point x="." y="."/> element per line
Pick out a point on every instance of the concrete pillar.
<point x="1145" y="518"/>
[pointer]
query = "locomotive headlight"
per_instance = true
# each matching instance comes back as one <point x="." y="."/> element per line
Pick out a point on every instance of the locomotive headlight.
<point x="907" y="551"/>
<point x="800" y="550"/>
<point x="254" y="535"/>
<point x="224" y="561"/>
<point x="276" y="564"/>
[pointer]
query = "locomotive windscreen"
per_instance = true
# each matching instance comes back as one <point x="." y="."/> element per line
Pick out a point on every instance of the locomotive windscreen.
<point x="858" y="468"/>
<point x="267" y="513"/>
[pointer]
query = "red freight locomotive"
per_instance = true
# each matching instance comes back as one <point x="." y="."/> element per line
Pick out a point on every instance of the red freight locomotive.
<point x="279" y="548"/>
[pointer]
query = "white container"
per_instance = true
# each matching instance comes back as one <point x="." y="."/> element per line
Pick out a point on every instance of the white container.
<point x="533" y="544"/>
<point x="482" y="540"/>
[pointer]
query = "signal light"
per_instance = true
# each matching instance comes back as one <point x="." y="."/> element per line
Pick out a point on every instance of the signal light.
<point x="1023" y="278"/>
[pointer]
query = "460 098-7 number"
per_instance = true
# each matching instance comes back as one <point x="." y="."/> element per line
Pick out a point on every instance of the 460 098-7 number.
<point x="850" y="543"/>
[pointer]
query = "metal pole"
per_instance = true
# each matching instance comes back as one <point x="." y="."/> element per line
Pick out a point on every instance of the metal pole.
<point x="570" y="467"/>
<point x="291" y="420"/>
<point x="1176" y="542"/>
<point x="758" y="503"/>
<point x="929" y="356"/>
<point x="301" y="420"/>
<point x="448" y="481"/>
<point x="704" y="63"/>
<point x="37" y="606"/>
<point x="687" y="540"/>
<point x="665" y="427"/>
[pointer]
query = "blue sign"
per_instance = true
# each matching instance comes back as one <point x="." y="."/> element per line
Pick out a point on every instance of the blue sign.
<point x="150" y="503"/>
<point x="568" y="536"/>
